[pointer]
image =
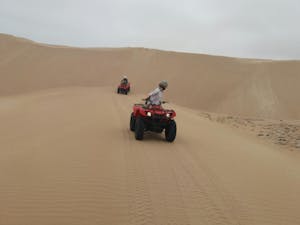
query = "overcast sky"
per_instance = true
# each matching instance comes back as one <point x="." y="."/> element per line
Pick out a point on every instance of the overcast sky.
<point x="239" y="28"/>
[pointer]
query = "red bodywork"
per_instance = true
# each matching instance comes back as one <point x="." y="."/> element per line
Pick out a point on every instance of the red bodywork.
<point x="124" y="86"/>
<point x="155" y="110"/>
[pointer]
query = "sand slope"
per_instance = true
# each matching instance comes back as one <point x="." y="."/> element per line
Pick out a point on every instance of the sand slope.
<point x="252" y="88"/>
<point x="68" y="157"/>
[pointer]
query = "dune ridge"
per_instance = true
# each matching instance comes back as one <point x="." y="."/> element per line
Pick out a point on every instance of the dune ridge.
<point x="244" y="87"/>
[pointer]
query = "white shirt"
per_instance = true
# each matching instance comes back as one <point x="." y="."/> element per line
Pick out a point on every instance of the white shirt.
<point x="155" y="96"/>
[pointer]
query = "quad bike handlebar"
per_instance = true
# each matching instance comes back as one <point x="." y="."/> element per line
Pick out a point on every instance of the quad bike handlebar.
<point x="147" y="99"/>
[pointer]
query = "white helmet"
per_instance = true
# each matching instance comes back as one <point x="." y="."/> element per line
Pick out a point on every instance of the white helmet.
<point x="124" y="77"/>
<point x="163" y="84"/>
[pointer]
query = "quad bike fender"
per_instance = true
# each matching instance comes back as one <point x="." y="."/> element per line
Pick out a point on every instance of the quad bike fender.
<point x="138" y="111"/>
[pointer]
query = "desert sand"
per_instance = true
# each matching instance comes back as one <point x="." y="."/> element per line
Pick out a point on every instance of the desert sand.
<point x="67" y="155"/>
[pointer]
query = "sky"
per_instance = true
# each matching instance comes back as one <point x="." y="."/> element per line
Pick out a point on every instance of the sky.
<point x="266" y="29"/>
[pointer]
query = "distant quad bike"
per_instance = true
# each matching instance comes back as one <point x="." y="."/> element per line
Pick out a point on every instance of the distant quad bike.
<point x="153" y="118"/>
<point x="123" y="88"/>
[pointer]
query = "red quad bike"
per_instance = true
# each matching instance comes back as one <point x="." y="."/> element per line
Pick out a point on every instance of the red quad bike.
<point x="123" y="88"/>
<point x="153" y="118"/>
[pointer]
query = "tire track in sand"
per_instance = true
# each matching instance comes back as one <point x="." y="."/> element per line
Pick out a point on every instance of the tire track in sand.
<point x="175" y="190"/>
<point x="140" y="206"/>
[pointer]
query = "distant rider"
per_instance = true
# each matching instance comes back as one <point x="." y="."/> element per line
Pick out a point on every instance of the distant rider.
<point x="124" y="80"/>
<point x="155" y="97"/>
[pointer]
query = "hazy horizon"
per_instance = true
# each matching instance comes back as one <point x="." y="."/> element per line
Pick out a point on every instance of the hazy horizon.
<point x="248" y="29"/>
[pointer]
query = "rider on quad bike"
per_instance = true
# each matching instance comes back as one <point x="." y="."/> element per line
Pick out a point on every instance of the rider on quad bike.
<point x="155" y="97"/>
<point x="124" y="86"/>
<point x="153" y="117"/>
<point x="124" y="80"/>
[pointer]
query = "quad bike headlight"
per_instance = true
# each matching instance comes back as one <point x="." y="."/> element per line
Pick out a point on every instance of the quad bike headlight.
<point x="149" y="114"/>
<point x="168" y="115"/>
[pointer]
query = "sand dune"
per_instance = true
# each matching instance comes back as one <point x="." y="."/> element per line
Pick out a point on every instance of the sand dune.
<point x="253" y="88"/>
<point x="67" y="155"/>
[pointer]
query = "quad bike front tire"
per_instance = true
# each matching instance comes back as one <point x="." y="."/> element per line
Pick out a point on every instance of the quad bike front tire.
<point x="132" y="122"/>
<point x="170" y="131"/>
<point x="139" y="128"/>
